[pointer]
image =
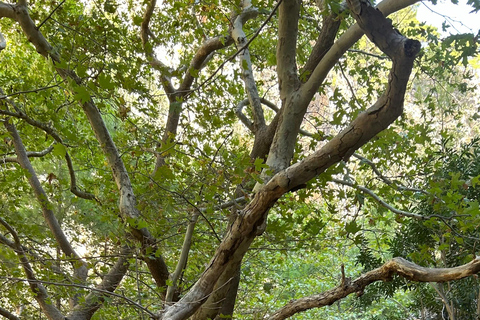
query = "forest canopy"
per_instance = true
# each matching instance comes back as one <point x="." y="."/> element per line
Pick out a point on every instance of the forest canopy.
<point x="237" y="159"/>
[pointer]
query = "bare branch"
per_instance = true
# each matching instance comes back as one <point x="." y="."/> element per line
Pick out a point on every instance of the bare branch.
<point x="4" y="96"/>
<point x="399" y="266"/>
<point x="380" y="201"/>
<point x="51" y="14"/>
<point x="7" y="314"/>
<point x="369" y="54"/>
<point x="288" y="15"/>
<point x="3" y="42"/>
<point x="94" y="300"/>
<point x="240" y="39"/>
<point x="39" y="292"/>
<point x="30" y="154"/>
<point x="385" y="179"/>
<point x="49" y="130"/>
<point x="79" y="266"/>
<point x="182" y="261"/>
<point x="76" y="285"/>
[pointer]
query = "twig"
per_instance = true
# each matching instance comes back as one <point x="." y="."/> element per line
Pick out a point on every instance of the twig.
<point x="30" y="154"/>
<point x="369" y="54"/>
<point x="50" y="15"/>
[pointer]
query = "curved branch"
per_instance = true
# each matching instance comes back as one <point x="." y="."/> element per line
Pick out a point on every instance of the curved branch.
<point x="345" y="42"/>
<point x="50" y="131"/>
<point x="243" y="118"/>
<point x="240" y="39"/>
<point x="385" y="179"/>
<point x="7" y="10"/>
<point x="3" y="42"/>
<point x="30" y="154"/>
<point x="39" y="292"/>
<point x="79" y="266"/>
<point x="145" y="26"/>
<point x="381" y="202"/>
<point x="7" y="314"/>
<point x="233" y="56"/>
<point x="199" y="60"/>
<point x="94" y="300"/>
<point x="399" y="266"/>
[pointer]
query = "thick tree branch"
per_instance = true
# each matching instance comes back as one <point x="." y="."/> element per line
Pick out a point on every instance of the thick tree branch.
<point x="288" y="14"/>
<point x="7" y="314"/>
<point x="399" y="266"/>
<point x="39" y="292"/>
<point x="245" y="228"/>
<point x="240" y="39"/>
<point x="7" y="10"/>
<point x="79" y="266"/>
<point x="127" y="202"/>
<point x="94" y="300"/>
<point x="325" y="40"/>
<point x="3" y="42"/>
<point x="145" y="26"/>
<point x="345" y="42"/>
<point x="19" y="13"/>
<point x="199" y="60"/>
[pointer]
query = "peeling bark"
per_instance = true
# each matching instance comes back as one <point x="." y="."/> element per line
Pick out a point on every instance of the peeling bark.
<point x="399" y="266"/>
<point x="369" y="123"/>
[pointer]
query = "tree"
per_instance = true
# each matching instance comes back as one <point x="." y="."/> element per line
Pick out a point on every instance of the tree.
<point x="124" y="192"/>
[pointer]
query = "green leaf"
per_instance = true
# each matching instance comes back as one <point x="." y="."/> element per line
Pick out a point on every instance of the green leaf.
<point x="81" y="94"/>
<point x="105" y="82"/>
<point x="352" y="227"/>
<point x="59" y="150"/>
